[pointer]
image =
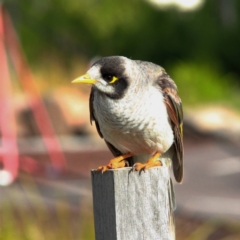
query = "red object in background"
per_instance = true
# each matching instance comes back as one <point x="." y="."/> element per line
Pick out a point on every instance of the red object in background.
<point x="9" y="152"/>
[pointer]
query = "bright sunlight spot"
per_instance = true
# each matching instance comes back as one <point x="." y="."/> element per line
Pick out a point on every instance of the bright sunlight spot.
<point x="5" y="178"/>
<point x="186" y="5"/>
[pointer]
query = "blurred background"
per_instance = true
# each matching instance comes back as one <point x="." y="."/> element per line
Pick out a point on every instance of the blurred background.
<point x="48" y="146"/>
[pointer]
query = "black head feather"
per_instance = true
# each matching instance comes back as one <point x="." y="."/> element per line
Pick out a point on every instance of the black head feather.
<point x="114" y="66"/>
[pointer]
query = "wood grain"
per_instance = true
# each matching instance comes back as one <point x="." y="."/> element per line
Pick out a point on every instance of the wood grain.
<point x="133" y="205"/>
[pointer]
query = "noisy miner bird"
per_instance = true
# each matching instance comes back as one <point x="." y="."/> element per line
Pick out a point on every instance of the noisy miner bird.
<point x="137" y="111"/>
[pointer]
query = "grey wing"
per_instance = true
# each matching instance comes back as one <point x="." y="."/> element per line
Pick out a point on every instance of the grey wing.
<point x="91" y="110"/>
<point x="175" y="113"/>
<point x="113" y="150"/>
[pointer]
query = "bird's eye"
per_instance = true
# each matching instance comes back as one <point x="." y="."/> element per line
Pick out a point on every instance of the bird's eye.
<point x="110" y="78"/>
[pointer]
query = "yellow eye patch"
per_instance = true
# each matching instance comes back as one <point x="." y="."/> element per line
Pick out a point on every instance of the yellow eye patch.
<point x="113" y="80"/>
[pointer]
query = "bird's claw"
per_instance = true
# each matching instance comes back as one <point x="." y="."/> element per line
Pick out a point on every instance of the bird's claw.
<point x="102" y="169"/>
<point x="113" y="165"/>
<point x="147" y="165"/>
<point x="140" y="167"/>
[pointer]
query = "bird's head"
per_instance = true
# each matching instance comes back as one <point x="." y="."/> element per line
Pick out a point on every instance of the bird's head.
<point x="109" y="75"/>
<point x="113" y="75"/>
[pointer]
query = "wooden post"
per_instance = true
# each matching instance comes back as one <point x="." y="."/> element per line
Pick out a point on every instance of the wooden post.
<point x="130" y="205"/>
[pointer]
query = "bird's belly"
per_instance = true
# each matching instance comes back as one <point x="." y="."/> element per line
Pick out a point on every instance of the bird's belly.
<point x="137" y="128"/>
<point x="140" y="139"/>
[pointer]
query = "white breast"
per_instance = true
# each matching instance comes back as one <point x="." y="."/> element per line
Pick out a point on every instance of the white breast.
<point x="138" y="125"/>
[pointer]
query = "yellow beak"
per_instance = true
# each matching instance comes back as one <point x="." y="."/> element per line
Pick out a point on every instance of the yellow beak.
<point x="86" y="78"/>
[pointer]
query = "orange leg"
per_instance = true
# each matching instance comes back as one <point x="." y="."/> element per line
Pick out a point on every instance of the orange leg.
<point x="117" y="162"/>
<point x="152" y="162"/>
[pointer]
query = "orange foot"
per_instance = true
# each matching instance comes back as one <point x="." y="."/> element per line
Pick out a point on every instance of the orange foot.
<point x="152" y="162"/>
<point x="117" y="162"/>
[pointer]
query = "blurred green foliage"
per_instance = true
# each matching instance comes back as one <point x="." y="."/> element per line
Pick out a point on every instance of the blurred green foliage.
<point x="132" y="28"/>
<point x="205" y="83"/>
<point x="204" y="42"/>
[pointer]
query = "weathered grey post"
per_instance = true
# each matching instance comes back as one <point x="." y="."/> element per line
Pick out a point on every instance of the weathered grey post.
<point x="130" y="205"/>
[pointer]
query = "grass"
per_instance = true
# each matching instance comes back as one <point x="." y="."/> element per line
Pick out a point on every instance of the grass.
<point x="41" y="224"/>
<point x="26" y="214"/>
